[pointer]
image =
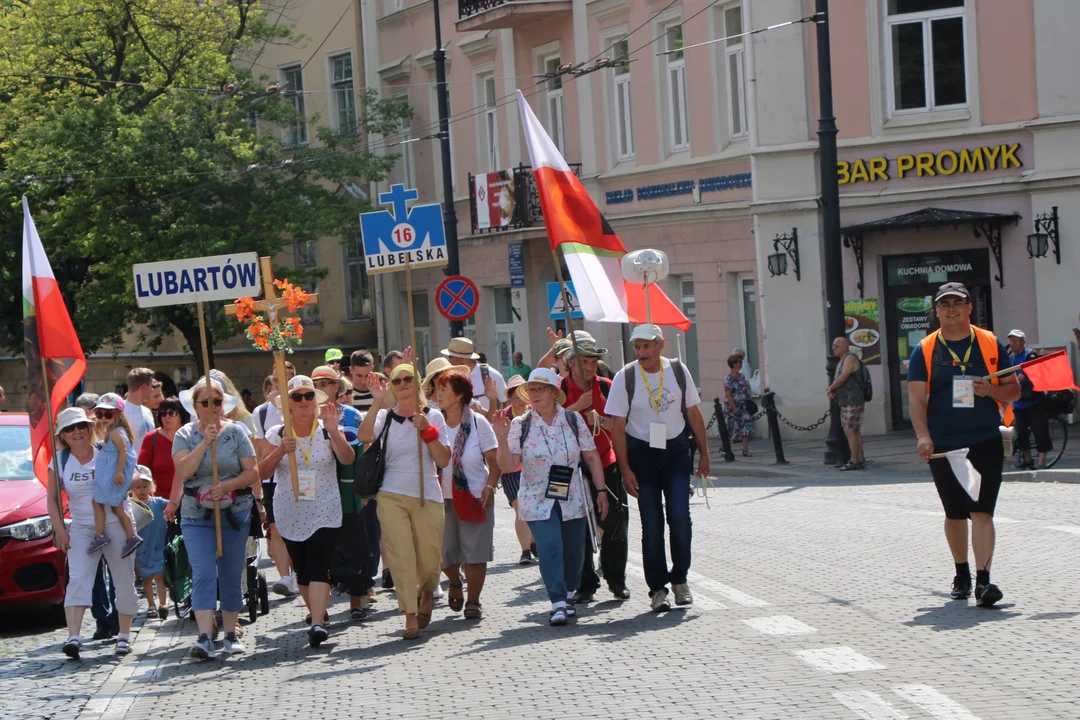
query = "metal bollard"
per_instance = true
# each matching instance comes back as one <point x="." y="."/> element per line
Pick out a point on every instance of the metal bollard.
<point x="769" y="401"/>
<point x="721" y="427"/>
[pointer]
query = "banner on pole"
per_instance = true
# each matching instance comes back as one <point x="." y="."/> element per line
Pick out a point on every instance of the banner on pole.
<point x="403" y="236"/>
<point x="180" y="282"/>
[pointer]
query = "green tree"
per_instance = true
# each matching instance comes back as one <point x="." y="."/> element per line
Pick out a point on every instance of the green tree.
<point x="132" y="127"/>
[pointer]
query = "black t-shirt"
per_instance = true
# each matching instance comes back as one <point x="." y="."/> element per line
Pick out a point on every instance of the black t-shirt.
<point x="951" y="426"/>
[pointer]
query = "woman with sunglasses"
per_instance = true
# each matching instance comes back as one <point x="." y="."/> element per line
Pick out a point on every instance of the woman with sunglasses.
<point x="77" y="456"/>
<point x="410" y="503"/>
<point x="156" y="452"/>
<point x="309" y="523"/>
<point x="195" y="494"/>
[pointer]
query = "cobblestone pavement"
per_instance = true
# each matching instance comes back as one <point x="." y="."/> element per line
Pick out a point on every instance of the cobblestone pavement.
<point x="811" y="601"/>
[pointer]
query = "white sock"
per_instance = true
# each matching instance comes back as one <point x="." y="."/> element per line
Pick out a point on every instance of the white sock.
<point x="126" y="637"/>
<point x="76" y="638"/>
<point x="561" y="605"/>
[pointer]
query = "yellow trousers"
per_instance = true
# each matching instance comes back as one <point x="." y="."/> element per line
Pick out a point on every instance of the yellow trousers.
<point x="412" y="538"/>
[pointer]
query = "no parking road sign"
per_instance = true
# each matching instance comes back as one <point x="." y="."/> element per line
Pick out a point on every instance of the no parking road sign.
<point x="457" y="298"/>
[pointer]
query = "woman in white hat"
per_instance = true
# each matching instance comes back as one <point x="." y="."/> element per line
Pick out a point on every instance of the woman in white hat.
<point x="77" y="456"/>
<point x="549" y="444"/>
<point x="309" y="523"/>
<point x="194" y="494"/>
<point x="410" y="504"/>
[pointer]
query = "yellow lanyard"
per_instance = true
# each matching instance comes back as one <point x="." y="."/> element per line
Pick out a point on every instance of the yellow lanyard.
<point x="955" y="357"/>
<point x="311" y="441"/>
<point x="654" y="401"/>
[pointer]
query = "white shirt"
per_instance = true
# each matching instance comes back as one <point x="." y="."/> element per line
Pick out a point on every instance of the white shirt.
<point x="297" y="520"/>
<point x="643" y="413"/>
<point x="478" y="386"/>
<point x="545" y="446"/>
<point x="481" y="440"/>
<point x="141" y="421"/>
<point x="402" y="474"/>
<point x="78" y="483"/>
<point x="273" y="417"/>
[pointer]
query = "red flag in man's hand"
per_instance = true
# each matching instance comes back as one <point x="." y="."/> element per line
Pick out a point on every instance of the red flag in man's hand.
<point x="1050" y="372"/>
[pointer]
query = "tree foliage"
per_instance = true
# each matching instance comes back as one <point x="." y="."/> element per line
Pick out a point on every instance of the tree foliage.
<point x="138" y="135"/>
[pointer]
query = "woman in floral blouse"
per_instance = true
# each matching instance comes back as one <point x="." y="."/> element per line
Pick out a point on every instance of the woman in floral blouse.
<point x="546" y="446"/>
<point x="737" y="416"/>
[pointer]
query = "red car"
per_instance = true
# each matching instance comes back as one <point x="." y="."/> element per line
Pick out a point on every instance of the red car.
<point x="33" y="573"/>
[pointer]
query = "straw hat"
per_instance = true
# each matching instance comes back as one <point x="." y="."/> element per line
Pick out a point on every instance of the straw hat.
<point x="514" y="382"/>
<point x="187" y="397"/>
<point x="461" y="347"/>
<point x="546" y="377"/>
<point x="434" y="369"/>
<point x="303" y="382"/>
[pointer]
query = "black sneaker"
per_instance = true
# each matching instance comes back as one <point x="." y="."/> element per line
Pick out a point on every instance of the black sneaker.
<point x="987" y="595"/>
<point x="621" y="593"/>
<point x="526" y="558"/>
<point x="387" y="579"/>
<point x="317" y="635"/>
<point x="583" y="597"/>
<point x="961" y="587"/>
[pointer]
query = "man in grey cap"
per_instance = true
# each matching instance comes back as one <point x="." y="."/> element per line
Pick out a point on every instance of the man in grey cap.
<point x="654" y="405"/>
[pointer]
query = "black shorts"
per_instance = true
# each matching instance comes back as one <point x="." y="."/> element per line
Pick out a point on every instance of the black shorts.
<point x="511" y="483"/>
<point x="268" y="501"/>
<point x="988" y="458"/>
<point x="312" y="558"/>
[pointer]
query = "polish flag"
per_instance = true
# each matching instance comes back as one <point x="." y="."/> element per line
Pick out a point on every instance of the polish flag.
<point x="48" y="336"/>
<point x="592" y="250"/>
<point x="1050" y="372"/>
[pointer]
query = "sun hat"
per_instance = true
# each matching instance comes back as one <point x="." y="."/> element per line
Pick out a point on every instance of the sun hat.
<point x="515" y="381"/>
<point x="324" y="372"/>
<point x="586" y="348"/>
<point x="434" y="369"/>
<point x="461" y="347"/>
<point x="953" y="289"/>
<point x="1017" y="334"/>
<point x="303" y="382"/>
<point x="647" y="332"/>
<point x="187" y="397"/>
<point x="70" y="416"/>
<point x="543" y="376"/>
<point x="110" y="401"/>
<point x="332" y="355"/>
<point x="563" y="344"/>
<point x="404" y="368"/>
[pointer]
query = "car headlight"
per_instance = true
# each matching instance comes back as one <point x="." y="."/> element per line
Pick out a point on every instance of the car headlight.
<point x="32" y="529"/>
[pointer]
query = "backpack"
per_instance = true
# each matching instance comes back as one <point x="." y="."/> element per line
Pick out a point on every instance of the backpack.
<point x="630" y="378"/>
<point x="863" y="378"/>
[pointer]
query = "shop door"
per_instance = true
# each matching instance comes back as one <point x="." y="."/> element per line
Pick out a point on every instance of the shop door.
<point x="505" y="341"/>
<point x="912" y="281"/>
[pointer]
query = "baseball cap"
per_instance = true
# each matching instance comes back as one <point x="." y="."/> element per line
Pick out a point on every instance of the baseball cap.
<point x="647" y="332"/>
<point x="1018" y="334"/>
<point x="332" y="355"/>
<point x="953" y="289"/>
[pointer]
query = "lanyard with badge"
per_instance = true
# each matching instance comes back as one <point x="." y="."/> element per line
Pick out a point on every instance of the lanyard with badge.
<point x="657" y="430"/>
<point x="963" y="388"/>
<point x="306" y="479"/>
<point x="559" y="476"/>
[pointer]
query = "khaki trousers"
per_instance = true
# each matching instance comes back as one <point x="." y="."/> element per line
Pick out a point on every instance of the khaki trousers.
<point x="412" y="538"/>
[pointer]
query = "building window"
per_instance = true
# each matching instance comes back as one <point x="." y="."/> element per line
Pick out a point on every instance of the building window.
<point x="296" y="132"/>
<point x="735" y="71"/>
<point x="344" y="95"/>
<point x="490" y="103"/>
<point x="926" y="55"/>
<point x="675" y="79"/>
<point x="689" y="308"/>
<point x="304" y="257"/>
<point x="357" y="287"/>
<point x="555" y="126"/>
<point x="624" y="116"/>
<point x="407" y="159"/>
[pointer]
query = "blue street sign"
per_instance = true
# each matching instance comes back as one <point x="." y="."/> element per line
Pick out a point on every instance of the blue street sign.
<point x="517" y="265"/>
<point x="407" y="236"/>
<point x="557" y="304"/>
<point x="457" y="298"/>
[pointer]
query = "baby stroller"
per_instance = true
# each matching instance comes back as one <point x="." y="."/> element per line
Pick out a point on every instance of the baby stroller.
<point x="256" y="589"/>
<point x="177" y="571"/>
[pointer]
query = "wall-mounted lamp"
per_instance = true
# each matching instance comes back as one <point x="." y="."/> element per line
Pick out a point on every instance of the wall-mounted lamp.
<point x="778" y="261"/>
<point x="1046" y="232"/>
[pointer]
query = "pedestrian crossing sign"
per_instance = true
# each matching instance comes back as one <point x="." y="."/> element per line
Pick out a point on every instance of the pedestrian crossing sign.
<point x="557" y="304"/>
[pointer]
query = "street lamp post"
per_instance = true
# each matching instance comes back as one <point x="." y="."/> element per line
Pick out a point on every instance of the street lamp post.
<point x="836" y="443"/>
<point x="453" y="267"/>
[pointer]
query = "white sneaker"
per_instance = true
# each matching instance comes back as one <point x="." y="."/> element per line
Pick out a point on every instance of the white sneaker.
<point x="438" y="592"/>
<point x="291" y="584"/>
<point x="232" y="644"/>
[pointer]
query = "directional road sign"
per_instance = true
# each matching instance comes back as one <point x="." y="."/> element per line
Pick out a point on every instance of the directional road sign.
<point x="404" y="236"/>
<point x="557" y="304"/>
<point x="457" y="298"/>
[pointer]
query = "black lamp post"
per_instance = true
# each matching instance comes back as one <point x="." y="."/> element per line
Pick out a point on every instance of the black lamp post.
<point x="836" y="443"/>
<point x="453" y="267"/>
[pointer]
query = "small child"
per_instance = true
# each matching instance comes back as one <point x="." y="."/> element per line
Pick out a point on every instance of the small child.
<point x="112" y="477"/>
<point x="150" y="557"/>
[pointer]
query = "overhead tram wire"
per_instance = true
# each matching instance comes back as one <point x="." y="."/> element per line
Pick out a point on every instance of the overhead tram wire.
<point x="789" y="23"/>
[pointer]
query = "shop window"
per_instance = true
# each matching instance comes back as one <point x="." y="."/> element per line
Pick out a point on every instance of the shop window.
<point x="675" y="86"/>
<point x="624" y="113"/>
<point x="735" y="71"/>
<point x="296" y="132"/>
<point x="343" y="93"/>
<point x="554" y="103"/>
<point x="926" y="55"/>
<point x="357" y="284"/>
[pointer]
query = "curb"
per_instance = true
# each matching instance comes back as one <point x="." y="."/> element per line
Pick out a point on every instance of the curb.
<point x="1071" y="477"/>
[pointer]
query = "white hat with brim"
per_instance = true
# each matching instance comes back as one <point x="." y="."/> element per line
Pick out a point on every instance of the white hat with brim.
<point x="545" y="377"/>
<point x="434" y="369"/>
<point x="303" y="382"/>
<point x="647" y="332"/>
<point x="187" y="397"/>
<point x="461" y="347"/>
<point x="70" y="416"/>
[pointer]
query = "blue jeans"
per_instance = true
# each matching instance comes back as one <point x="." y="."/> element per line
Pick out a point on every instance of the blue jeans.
<point x="211" y="575"/>
<point x="103" y="609"/>
<point x="561" y="545"/>
<point x="663" y="481"/>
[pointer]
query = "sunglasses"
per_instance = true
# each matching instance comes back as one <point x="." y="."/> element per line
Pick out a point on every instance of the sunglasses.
<point x="325" y="383"/>
<point x="218" y="402"/>
<point x="103" y="414"/>
<point x="402" y="380"/>
<point x="170" y="413"/>
<point x="84" y="426"/>
<point x="298" y="397"/>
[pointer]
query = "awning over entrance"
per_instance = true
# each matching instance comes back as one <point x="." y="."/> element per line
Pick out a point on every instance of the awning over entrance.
<point x="983" y="224"/>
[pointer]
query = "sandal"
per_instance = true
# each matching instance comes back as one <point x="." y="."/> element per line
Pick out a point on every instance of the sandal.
<point x="456" y="602"/>
<point x="410" y="634"/>
<point x="474" y="610"/>
<point x="850" y="466"/>
<point x="423" y="619"/>
<point x="152" y="613"/>
<point x="747" y="453"/>
<point x="358" y="614"/>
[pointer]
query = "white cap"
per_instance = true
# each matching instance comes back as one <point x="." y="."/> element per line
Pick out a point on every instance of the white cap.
<point x="1017" y="333"/>
<point x="647" y="332"/>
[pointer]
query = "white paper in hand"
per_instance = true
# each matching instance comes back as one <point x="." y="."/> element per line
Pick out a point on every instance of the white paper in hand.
<point x="965" y="472"/>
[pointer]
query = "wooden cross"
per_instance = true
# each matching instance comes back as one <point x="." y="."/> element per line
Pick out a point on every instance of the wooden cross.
<point x="275" y="307"/>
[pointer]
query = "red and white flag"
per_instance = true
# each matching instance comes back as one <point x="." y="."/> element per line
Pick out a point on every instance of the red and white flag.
<point x="592" y="250"/>
<point x="47" y="335"/>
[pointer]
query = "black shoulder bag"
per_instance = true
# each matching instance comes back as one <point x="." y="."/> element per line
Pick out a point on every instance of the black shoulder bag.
<point x="371" y="464"/>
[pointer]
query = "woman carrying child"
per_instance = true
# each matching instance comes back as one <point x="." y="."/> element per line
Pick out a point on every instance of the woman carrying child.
<point x="112" y="476"/>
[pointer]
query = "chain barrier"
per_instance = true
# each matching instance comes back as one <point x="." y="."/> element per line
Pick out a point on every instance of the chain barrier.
<point x="806" y="428"/>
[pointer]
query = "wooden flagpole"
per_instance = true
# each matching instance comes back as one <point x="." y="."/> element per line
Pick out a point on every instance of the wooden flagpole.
<point x="210" y="409"/>
<point x="412" y="342"/>
<point x="58" y="472"/>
